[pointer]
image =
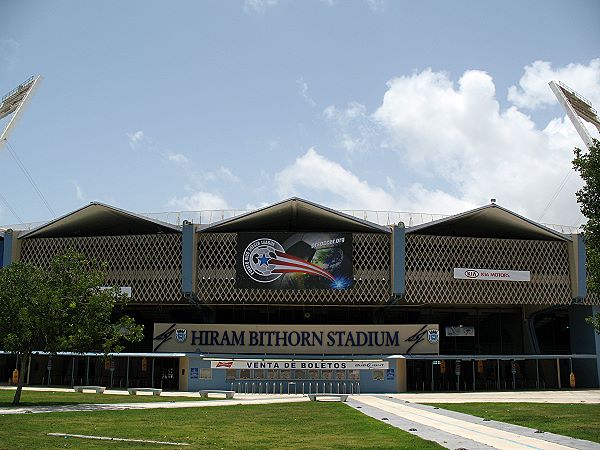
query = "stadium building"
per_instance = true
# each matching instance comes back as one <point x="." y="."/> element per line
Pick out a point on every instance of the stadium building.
<point x="297" y="297"/>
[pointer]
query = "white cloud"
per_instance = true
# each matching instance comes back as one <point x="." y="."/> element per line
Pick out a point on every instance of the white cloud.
<point x="313" y="176"/>
<point x="352" y="125"/>
<point x="221" y="174"/>
<point x="135" y="138"/>
<point x="258" y="6"/>
<point x="199" y="201"/>
<point x="303" y="86"/>
<point x="459" y="135"/>
<point x="533" y="91"/>
<point x="227" y="174"/>
<point x="178" y="158"/>
<point x="376" y="5"/>
<point x="78" y="191"/>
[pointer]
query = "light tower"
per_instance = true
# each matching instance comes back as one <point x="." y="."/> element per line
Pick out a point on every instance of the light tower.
<point x="14" y="103"/>
<point x="577" y="107"/>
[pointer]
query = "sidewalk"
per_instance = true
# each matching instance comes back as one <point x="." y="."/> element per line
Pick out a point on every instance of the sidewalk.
<point x="563" y="396"/>
<point x="239" y="399"/>
<point x="456" y="430"/>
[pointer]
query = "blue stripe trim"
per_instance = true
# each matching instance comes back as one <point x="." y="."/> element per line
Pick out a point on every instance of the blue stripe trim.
<point x="187" y="258"/>
<point x="8" y="244"/>
<point x="399" y="261"/>
<point x="581" y="269"/>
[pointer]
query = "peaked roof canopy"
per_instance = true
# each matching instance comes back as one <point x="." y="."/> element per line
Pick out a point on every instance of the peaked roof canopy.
<point x="491" y="221"/>
<point x="295" y="214"/>
<point x="97" y="219"/>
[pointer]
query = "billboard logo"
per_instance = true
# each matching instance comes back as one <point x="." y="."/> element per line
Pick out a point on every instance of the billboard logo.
<point x="226" y="364"/>
<point x="433" y="336"/>
<point x="181" y="335"/>
<point x="265" y="260"/>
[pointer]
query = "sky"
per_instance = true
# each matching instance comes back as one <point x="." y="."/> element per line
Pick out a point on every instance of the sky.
<point x="428" y="106"/>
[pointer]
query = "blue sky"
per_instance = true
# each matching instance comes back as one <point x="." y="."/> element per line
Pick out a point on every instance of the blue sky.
<point x="391" y="105"/>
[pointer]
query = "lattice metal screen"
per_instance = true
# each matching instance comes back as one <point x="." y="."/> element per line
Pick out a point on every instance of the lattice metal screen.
<point x="216" y="274"/>
<point x="592" y="298"/>
<point x="430" y="263"/>
<point x="150" y="264"/>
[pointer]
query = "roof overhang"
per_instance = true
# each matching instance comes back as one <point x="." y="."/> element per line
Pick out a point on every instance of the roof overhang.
<point x="490" y="221"/>
<point x="295" y="214"/>
<point x="98" y="219"/>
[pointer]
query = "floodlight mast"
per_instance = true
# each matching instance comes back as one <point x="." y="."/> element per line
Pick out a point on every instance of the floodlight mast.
<point x="577" y="107"/>
<point x="15" y="102"/>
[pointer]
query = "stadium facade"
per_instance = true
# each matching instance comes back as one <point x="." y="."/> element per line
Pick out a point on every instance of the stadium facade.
<point x="297" y="297"/>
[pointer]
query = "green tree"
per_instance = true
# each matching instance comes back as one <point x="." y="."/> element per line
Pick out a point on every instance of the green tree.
<point x="61" y="308"/>
<point x="587" y="163"/>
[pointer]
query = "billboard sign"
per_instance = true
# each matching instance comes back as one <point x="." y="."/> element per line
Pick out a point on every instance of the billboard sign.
<point x="294" y="261"/>
<point x="456" y="331"/>
<point x="302" y="365"/>
<point x="492" y="274"/>
<point x="296" y="339"/>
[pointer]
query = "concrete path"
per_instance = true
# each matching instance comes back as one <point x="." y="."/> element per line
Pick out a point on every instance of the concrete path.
<point x="455" y="430"/>
<point x="239" y="400"/>
<point x="566" y="396"/>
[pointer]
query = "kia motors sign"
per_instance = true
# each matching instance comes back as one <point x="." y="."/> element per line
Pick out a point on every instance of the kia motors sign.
<point x="491" y="275"/>
<point x="276" y="364"/>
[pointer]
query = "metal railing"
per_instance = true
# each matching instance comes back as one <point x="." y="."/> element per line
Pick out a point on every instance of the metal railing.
<point x="210" y="216"/>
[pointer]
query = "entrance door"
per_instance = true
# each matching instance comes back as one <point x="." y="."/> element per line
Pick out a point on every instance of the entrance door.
<point x="166" y="371"/>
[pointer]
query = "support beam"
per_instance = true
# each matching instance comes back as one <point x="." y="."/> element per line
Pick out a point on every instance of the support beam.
<point x="398" y="260"/>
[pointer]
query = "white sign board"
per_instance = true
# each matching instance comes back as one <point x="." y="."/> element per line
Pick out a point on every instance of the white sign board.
<point x="492" y="275"/>
<point x="275" y="364"/>
<point x="454" y="331"/>
<point x="123" y="290"/>
<point x="297" y="339"/>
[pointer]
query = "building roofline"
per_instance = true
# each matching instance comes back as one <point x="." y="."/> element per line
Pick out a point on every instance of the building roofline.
<point x="556" y="234"/>
<point x="369" y="226"/>
<point x="114" y="209"/>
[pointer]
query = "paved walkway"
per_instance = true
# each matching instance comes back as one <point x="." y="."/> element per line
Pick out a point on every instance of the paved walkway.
<point x="570" y="396"/>
<point x="239" y="399"/>
<point x="456" y="430"/>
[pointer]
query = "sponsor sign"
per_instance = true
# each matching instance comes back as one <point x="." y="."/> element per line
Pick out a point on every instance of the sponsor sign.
<point x="123" y="290"/>
<point x="492" y="275"/>
<point x="457" y="331"/>
<point x="296" y="339"/>
<point x="294" y="261"/>
<point x="302" y="365"/>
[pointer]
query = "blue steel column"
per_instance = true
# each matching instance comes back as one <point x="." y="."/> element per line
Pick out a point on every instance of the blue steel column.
<point x="399" y="261"/>
<point x="581" y="287"/>
<point x="187" y="258"/>
<point x="8" y="245"/>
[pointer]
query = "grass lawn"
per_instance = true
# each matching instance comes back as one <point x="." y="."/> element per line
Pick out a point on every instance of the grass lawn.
<point x="572" y="419"/>
<point x="44" y="398"/>
<point x="292" y="425"/>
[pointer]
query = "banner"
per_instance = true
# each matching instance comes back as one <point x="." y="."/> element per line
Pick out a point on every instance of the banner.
<point x="294" y="261"/>
<point x="275" y="364"/>
<point x="454" y="331"/>
<point x="492" y="275"/>
<point x="296" y="339"/>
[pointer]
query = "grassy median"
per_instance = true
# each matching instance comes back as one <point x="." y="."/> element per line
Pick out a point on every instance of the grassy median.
<point x="577" y="420"/>
<point x="293" y="425"/>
